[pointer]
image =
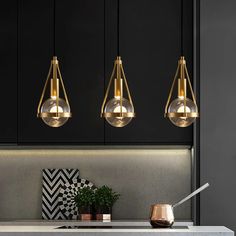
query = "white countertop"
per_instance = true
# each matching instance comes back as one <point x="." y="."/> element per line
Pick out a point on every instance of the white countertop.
<point x="50" y="228"/>
<point x="86" y="223"/>
<point x="54" y="229"/>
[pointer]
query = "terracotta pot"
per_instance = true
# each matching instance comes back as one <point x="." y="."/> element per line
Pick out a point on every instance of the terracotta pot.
<point x="85" y="213"/>
<point x="86" y="217"/>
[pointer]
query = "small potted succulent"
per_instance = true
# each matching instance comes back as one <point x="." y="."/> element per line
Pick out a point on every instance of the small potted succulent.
<point x="84" y="200"/>
<point x="104" y="201"/>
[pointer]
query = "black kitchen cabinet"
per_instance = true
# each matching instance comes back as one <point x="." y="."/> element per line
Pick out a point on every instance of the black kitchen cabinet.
<point x="86" y="49"/>
<point x="150" y="48"/>
<point x="80" y="51"/>
<point x="8" y="68"/>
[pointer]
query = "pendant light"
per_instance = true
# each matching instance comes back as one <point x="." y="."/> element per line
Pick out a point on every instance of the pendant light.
<point x="118" y="111"/>
<point x="182" y="111"/>
<point x="54" y="111"/>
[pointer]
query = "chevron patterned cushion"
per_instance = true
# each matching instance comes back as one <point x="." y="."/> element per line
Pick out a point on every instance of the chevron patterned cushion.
<point x="53" y="179"/>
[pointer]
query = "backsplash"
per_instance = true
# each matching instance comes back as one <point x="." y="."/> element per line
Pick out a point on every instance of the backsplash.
<point x="143" y="177"/>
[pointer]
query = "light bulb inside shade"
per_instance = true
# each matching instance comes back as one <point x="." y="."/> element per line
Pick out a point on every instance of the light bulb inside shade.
<point x="119" y="109"/>
<point x="113" y="106"/>
<point x="177" y="106"/>
<point x="50" y="106"/>
<point x="55" y="109"/>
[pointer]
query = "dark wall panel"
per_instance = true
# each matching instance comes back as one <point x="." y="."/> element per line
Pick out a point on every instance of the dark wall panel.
<point x="217" y="74"/>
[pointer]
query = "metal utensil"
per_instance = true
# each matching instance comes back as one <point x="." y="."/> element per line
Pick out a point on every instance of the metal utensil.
<point x="191" y="195"/>
<point x="162" y="215"/>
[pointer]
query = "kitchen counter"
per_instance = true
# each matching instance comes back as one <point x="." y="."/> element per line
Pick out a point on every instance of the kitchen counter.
<point x="130" y="223"/>
<point x="51" y="230"/>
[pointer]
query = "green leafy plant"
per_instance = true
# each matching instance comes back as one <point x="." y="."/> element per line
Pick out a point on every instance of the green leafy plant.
<point x="105" y="197"/>
<point x="84" y="197"/>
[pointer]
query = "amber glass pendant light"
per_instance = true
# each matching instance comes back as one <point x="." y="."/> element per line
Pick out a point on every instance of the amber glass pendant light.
<point x="54" y="111"/>
<point x="181" y="111"/>
<point x="118" y="111"/>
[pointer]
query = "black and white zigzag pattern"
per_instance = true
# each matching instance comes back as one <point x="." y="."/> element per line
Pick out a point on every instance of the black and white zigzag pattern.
<point x="67" y="193"/>
<point x="53" y="179"/>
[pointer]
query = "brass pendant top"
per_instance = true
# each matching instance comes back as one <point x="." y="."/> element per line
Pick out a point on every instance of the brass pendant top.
<point x="182" y="61"/>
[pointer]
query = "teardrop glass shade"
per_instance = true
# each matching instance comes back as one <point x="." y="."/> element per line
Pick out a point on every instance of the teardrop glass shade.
<point x="113" y="106"/>
<point x="50" y="106"/>
<point x="177" y="106"/>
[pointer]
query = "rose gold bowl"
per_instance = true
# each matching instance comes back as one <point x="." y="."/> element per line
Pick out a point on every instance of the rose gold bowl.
<point x="161" y="216"/>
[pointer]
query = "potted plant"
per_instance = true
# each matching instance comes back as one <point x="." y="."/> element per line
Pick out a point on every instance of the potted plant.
<point x="104" y="201"/>
<point x="84" y="200"/>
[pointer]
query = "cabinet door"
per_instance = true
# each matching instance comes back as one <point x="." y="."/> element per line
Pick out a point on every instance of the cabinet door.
<point x="150" y="49"/>
<point x="8" y="68"/>
<point x="80" y="51"/>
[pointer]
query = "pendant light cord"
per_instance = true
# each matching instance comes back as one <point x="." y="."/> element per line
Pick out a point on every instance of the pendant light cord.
<point x="118" y="27"/>
<point x="54" y="27"/>
<point x="182" y="28"/>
